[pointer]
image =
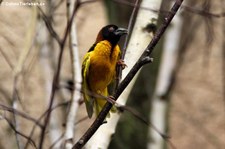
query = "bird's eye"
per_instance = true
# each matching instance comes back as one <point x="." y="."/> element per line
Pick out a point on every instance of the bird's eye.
<point x="111" y="29"/>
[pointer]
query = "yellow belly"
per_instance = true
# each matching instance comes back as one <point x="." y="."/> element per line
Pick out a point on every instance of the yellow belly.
<point x="101" y="74"/>
<point x="102" y="66"/>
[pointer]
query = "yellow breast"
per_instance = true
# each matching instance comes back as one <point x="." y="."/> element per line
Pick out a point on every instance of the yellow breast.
<point x="103" y="61"/>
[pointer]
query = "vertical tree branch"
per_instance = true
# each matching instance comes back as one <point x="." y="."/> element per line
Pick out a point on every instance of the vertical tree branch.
<point x="77" y="79"/>
<point x="124" y="49"/>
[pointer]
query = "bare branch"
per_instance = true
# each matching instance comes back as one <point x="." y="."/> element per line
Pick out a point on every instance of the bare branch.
<point x="49" y="26"/>
<point x="137" y="115"/>
<point x="19" y="133"/>
<point x="42" y="116"/>
<point x="185" y="7"/>
<point x="205" y="13"/>
<point x="129" y="28"/>
<point x="81" y="120"/>
<point x="57" y="5"/>
<point x="56" y="141"/>
<point x="125" y="2"/>
<point x="24" y="115"/>
<point x="6" y="58"/>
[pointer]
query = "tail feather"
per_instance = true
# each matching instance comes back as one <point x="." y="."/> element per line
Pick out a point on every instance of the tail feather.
<point x="100" y="102"/>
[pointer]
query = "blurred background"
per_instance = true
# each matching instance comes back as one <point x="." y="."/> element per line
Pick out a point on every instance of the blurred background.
<point x="191" y="103"/>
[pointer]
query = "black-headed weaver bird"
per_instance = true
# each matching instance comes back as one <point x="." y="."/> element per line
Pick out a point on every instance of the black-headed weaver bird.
<point x="99" y="67"/>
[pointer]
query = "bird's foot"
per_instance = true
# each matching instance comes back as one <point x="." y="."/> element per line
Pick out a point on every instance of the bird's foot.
<point x="111" y="99"/>
<point x="121" y="63"/>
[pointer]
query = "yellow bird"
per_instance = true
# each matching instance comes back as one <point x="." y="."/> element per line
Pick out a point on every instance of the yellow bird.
<point x="99" y="67"/>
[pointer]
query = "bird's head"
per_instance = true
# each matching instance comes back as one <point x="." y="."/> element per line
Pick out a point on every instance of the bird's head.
<point x="112" y="33"/>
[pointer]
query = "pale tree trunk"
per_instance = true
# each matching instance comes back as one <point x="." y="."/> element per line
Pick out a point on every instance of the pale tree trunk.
<point x="159" y="105"/>
<point x="77" y="79"/>
<point x="138" y="42"/>
<point x="45" y="62"/>
<point x="47" y="55"/>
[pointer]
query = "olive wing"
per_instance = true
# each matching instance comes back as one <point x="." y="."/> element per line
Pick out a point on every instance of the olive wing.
<point x="88" y="99"/>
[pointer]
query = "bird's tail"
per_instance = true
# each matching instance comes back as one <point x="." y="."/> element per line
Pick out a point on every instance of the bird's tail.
<point x="100" y="102"/>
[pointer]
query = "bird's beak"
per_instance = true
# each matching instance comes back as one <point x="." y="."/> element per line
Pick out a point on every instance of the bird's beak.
<point x="121" y="31"/>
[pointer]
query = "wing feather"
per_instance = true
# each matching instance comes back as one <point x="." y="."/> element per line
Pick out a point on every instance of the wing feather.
<point x="88" y="99"/>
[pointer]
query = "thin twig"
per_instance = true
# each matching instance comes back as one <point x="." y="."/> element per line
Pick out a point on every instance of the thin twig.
<point x="56" y="141"/>
<point x="42" y="116"/>
<point x="57" y="5"/>
<point x="139" y="116"/>
<point x="144" y="59"/>
<point x="76" y="7"/>
<point x="24" y="115"/>
<point x="135" y="113"/>
<point x="19" y="133"/>
<point x="7" y="59"/>
<point x="185" y="7"/>
<point x="203" y="12"/>
<point x="141" y="7"/>
<point x="49" y="26"/>
<point x="129" y="28"/>
<point x="81" y="120"/>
